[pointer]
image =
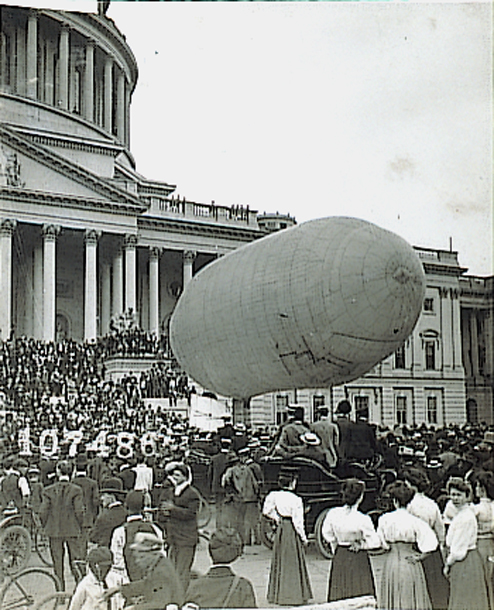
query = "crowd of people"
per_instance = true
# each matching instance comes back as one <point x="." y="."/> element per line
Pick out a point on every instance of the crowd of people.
<point x="121" y="484"/>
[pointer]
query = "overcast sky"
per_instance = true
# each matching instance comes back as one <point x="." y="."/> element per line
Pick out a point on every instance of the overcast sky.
<point x="378" y="110"/>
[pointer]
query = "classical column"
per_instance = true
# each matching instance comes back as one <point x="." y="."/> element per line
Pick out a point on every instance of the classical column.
<point x="38" y="290"/>
<point x="108" y="79"/>
<point x="21" y="61"/>
<point x="105" y="297"/>
<point x="89" y="82"/>
<point x="7" y="228"/>
<point x="154" y="290"/>
<point x="121" y="106"/>
<point x="32" y="55"/>
<point x="127" y="116"/>
<point x="130" y="245"/>
<point x="91" y="285"/>
<point x="474" y="343"/>
<point x="188" y="262"/>
<point x="117" y="303"/>
<point x="49" y="89"/>
<point x="456" y="328"/>
<point x="446" y="328"/>
<point x="63" y="73"/>
<point x="50" y="234"/>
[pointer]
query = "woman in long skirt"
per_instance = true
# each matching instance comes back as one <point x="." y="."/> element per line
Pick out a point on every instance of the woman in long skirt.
<point x="484" y="512"/>
<point x="426" y="509"/>
<point x="463" y="563"/>
<point x="289" y="583"/>
<point x="407" y="539"/>
<point x="350" y="534"/>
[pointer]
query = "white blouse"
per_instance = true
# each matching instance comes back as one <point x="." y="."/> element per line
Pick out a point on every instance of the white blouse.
<point x="284" y="503"/>
<point x="462" y="535"/>
<point x="484" y="511"/>
<point x="401" y="526"/>
<point x="426" y="509"/>
<point x="345" y="525"/>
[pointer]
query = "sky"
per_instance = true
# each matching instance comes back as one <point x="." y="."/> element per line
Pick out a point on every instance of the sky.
<point x="378" y="110"/>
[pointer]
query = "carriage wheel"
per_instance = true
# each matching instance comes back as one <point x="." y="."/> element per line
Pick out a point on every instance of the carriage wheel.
<point x="15" y="549"/>
<point x="42" y="546"/>
<point x="323" y="546"/>
<point x="26" y="588"/>
<point x="267" y="531"/>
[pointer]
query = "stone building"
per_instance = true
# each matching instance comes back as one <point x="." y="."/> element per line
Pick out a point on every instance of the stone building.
<point x="85" y="237"/>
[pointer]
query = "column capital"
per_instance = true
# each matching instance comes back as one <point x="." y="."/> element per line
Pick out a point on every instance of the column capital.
<point x="454" y="293"/>
<point x="109" y="59"/>
<point x="50" y="232"/>
<point x="91" y="42"/>
<point x="189" y="256"/>
<point x="155" y="252"/>
<point x="7" y="227"/>
<point x="65" y="27"/>
<point x="33" y="13"/>
<point x="130" y="241"/>
<point x="443" y="292"/>
<point x="91" y="236"/>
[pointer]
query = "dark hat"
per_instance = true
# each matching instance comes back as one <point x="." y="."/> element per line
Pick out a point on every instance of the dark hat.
<point x="225" y="545"/>
<point x="112" y="485"/>
<point x="100" y="554"/>
<point x="20" y="463"/>
<point x="344" y="407"/>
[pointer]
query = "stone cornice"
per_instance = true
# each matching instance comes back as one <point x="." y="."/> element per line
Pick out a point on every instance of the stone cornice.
<point x="70" y="170"/>
<point x="438" y="269"/>
<point x="188" y="227"/>
<point x="73" y="143"/>
<point x="58" y="200"/>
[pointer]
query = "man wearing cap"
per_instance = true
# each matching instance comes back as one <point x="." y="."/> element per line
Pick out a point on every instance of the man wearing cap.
<point x="221" y="587"/>
<point x="14" y="488"/>
<point x="216" y="471"/>
<point x="90" y="496"/>
<point x="243" y="491"/>
<point x="180" y="514"/>
<point x="62" y="514"/>
<point x="113" y="514"/>
<point x="124" y="535"/>
<point x="160" y="586"/>
<point x="289" y="443"/>
<point x="89" y="593"/>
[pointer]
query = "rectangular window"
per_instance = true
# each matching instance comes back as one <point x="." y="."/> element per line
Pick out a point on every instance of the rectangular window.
<point x="430" y="356"/>
<point x="432" y="409"/>
<point x="281" y="406"/>
<point x="362" y="405"/>
<point x="401" y="409"/>
<point x="400" y="358"/>
<point x="429" y="305"/>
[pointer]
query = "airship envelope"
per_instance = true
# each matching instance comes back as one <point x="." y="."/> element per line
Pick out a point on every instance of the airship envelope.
<point x="311" y="306"/>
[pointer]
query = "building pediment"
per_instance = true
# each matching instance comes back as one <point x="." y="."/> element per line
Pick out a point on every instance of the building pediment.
<point x="26" y="165"/>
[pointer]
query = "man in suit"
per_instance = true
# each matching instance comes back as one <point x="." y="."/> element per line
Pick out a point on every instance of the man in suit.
<point x="180" y="514"/>
<point x="113" y="512"/>
<point x="363" y="444"/>
<point x="90" y="494"/>
<point x="62" y="516"/>
<point x="329" y="435"/>
<point x="220" y="587"/>
<point x="345" y="426"/>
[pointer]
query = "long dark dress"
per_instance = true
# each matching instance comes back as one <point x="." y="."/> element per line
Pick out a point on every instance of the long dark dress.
<point x="351" y="575"/>
<point x="289" y="583"/>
